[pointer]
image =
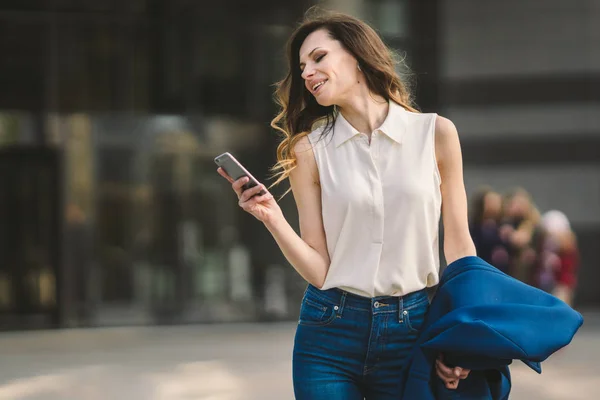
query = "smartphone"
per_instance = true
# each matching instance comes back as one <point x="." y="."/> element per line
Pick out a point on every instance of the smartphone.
<point x="236" y="170"/>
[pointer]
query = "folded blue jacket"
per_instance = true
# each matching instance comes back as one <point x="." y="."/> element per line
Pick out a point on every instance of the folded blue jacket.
<point x="483" y="319"/>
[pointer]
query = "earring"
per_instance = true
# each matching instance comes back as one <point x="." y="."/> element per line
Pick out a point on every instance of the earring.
<point x="358" y="66"/>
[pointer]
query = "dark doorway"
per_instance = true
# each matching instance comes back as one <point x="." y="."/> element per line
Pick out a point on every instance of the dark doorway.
<point x="29" y="238"/>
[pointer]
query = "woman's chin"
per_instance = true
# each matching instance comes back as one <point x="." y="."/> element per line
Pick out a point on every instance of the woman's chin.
<point x="324" y="101"/>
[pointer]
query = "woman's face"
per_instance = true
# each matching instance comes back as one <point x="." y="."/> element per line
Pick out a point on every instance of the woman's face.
<point x="518" y="206"/>
<point x="329" y="71"/>
<point x="492" y="205"/>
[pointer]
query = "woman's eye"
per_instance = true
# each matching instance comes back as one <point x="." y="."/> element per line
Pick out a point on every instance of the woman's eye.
<point x="319" y="58"/>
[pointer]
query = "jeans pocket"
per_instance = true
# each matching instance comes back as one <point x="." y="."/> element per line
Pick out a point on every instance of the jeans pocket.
<point x="415" y="317"/>
<point x="314" y="312"/>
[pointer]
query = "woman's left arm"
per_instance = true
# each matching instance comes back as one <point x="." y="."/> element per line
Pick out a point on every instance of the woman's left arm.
<point x="457" y="238"/>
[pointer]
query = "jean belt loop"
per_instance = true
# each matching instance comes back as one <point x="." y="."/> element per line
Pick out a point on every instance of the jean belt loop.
<point x="342" y="302"/>
<point x="400" y="308"/>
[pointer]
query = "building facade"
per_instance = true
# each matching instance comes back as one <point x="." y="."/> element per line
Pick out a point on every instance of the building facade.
<point x="111" y="114"/>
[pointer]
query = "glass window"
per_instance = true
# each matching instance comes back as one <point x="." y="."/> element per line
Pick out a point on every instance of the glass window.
<point x="22" y="65"/>
<point x="101" y="68"/>
<point x="20" y="5"/>
<point x="390" y="17"/>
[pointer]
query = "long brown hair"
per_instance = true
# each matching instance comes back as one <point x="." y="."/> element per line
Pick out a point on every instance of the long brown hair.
<point x="477" y="205"/>
<point x="300" y="111"/>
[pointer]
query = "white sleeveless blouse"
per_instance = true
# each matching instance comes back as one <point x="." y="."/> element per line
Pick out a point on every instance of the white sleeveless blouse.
<point x="381" y="204"/>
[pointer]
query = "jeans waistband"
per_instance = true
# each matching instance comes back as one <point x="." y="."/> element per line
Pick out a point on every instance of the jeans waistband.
<point x="337" y="296"/>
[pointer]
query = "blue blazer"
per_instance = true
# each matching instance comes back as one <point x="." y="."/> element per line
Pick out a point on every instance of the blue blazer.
<point x="482" y="319"/>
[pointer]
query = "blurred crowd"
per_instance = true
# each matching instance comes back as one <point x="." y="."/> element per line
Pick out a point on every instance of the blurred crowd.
<point x="511" y="234"/>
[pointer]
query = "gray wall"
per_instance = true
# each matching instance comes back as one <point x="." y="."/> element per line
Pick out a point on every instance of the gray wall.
<point x="513" y="37"/>
<point x="543" y="59"/>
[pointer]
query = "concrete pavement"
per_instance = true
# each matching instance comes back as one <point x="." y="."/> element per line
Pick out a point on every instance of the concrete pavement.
<point x="221" y="362"/>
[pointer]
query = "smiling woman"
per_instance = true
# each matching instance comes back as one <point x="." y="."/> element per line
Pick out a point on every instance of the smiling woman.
<point x="332" y="57"/>
<point x="369" y="204"/>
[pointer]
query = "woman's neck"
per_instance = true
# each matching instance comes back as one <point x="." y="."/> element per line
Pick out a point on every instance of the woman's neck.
<point x="365" y="113"/>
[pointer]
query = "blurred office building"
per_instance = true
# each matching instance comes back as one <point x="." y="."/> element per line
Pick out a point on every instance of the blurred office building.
<point x="111" y="112"/>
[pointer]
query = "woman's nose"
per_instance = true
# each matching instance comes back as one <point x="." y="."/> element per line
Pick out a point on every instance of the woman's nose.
<point x="307" y="73"/>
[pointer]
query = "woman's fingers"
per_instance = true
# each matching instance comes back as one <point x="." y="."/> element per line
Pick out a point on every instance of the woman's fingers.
<point x="250" y="204"/>
<point x="444" y="372"/>
<point x="248" y="193"/>
<point x="450" y="376"/>
<point x="238" y="186"/>
<point x="224" y="174"/>
<point x="452" y="384"/>
<point x="264" y="197"/>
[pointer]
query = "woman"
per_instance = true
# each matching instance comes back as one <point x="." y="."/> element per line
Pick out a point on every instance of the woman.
<point x="560" y="257"/>
<point x="484" y="223"/>
<point x="369" y="175"/>
<point x="520" y="230"/>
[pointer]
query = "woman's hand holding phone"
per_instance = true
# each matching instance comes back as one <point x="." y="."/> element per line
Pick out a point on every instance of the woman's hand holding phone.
<point x="262" y="207"/>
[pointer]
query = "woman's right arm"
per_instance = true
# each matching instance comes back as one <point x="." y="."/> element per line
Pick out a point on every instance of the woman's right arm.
<point x="308" y="252"/>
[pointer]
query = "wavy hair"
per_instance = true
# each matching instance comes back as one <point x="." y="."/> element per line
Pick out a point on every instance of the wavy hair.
<point x="299" y="110"/>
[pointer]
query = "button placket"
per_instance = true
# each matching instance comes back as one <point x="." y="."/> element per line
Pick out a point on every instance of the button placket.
<point x="376" y="143"/>
<point x="377" y="196"/>
<point x="373" y="150"/>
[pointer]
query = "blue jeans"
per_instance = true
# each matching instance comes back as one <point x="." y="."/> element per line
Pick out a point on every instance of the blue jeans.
<point x="349" y="347"/>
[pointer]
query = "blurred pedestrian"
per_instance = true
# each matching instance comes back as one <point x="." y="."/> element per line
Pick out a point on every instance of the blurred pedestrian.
<point x="484" y="225"/>
<point x="371" y="177"/>
<point x="521" y="231"/>
<point x="560" y="257"/>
